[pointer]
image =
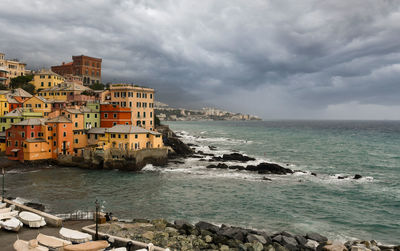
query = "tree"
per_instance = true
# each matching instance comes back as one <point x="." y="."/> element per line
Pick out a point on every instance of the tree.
<point x="23" y="82"/>
<point x="156" y="120"/>
<point x="97" y="86"/>
<point x="3" y="87"/>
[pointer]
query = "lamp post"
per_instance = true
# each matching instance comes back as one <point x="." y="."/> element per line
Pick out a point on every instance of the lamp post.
<point x="96" y="237"/>
<point x="3" y="192"/>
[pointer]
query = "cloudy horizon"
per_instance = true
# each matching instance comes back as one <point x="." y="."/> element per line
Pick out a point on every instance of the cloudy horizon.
<point x="276" y="59"/>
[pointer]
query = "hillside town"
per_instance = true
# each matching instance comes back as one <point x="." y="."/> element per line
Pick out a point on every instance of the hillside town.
<point x="166" y="113"/>
<point x="59" y="113"/>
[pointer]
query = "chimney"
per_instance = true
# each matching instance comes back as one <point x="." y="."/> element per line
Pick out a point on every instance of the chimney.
<point x="63" y="63"/>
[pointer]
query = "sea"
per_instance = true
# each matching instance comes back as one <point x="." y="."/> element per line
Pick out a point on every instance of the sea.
<point x="341" y="209"/>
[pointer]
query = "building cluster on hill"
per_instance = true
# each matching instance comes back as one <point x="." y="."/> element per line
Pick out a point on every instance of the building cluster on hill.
<point x="164" y="112"/>
<point x="65" y="117"/>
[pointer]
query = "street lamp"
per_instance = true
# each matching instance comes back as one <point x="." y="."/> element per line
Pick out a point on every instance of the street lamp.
<point x="96" y="237"/>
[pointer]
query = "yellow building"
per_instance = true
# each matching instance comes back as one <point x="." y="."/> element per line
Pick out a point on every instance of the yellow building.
<point x="44" y="79"/>
<point x="63" y="92"/>
<point x="124" y="137"/>
<point x="13" y="68"/>
<point x="38" y="104"/>
<point x="4" y="106"/>
<point x="139" y="99"/>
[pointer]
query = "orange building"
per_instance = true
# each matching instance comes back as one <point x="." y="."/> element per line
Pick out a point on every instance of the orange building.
<point x="111" y="115"/>
<point x="89" y="68"/>
<point x="60" y="136"/>
<point x="78" y="128"/>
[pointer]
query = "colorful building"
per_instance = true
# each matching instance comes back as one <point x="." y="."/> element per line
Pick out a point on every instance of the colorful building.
<point x="91" y="114"/>
<point x="39" y="104"/>
<point x="89" y="68"/>
<point x="124" y="137"/>
<point x="67" y="91"/>
<point x="16" y="116"/>
<point x="10" y="69"/>
<point x="4" y="105"/>
<point x="20" y="132"/>
<point x="139" y="100"/>
<point x="111" y="115"/>
<point x="60" y="136"/>
<point x="46" y="79"/>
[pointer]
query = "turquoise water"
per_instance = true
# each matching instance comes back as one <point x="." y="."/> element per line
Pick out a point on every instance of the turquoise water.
<point x="368" y="208"/>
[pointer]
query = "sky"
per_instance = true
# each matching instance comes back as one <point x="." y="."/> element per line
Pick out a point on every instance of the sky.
<point x="278" y="59"/>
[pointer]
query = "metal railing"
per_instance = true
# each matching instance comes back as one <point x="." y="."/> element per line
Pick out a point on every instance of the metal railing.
<point x="78" y="215"/>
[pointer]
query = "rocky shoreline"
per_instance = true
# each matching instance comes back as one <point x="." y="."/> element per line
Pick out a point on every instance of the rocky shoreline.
<point x="182" y="235"/>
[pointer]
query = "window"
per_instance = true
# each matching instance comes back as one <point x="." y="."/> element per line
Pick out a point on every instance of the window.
<point x="64" y="125"/>
<point x="49" y="84"/>
<point x="42" y="84"/>
<point x="138" y="95"/>
<point x="136" y="136"/>
<point x="76" y="141"/>
<point x="119" y="136"/>
<point x="95" y="115"/>
<point x="147" y="135"/>
<point x="40" y="134"/>
<point x="32" y="134"/>
<point x="113" y="136"/>
<point x="95" y="124"/>
<point x="23" y="135"/>
<point x="16" y="143"/>
<point x="151" y="114"/>
<point x="126" y="136"/>
<point x="54" y="143"/>
<point x="151" y="95"/>
<point x="65" y="134"/>
<point x="95" y="136"/>
<point x="144" y="114"/>
<point x="138" y="114"/>
<point x="151" y="122"/>
<point x="114" y="115"/>
<point x="76" y="124"/>
<point x="105" y="115"/>
<point x="115" y="123"/>
<point x="88" y="115"/>
<point x="76" y="115"/>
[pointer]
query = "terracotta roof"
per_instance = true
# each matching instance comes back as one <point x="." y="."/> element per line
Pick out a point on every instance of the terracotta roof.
<point x="97" y="130"/>
<point x="19" y="99"/>
<point x="47" y="72"/>
<point x="72" y="110"/>
<point x="59" y="119"/>
<point x="67" y="86"/>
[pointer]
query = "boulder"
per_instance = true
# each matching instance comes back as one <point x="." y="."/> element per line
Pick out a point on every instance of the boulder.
<point x="316" y="237"/>
<point x="289" y="242"/>
<point x="233" y="233"/>
<point x="255" y="237"/>
<point x="357" y="176"/>
<point x="148" y="235"/>
<point x="359" y="248"/>
<point x="301" y="240"/>
<point x="269" y="168"/>
<point x="208" y="239"/>
<point x="36" y="206"/>
<point x="202" y="225"/>
<point x="311" y="244"/>
<point x="335" y="246"/>
<point x="224" y="248"/>
<point x="235" y="157"/>
<point x="237" y="167"/>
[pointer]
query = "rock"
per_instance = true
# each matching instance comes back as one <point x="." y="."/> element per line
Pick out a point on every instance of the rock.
<point x="237" y="167"/>
<point x="177" y="145"/>
<point x="289" y="242"/>
<point x="269" y="248"/>
<point x="220" y="165"/>
<point x="336" y="246"/>
<point x="208" y="239"/>
<point x="211" y="166"/>
<point x="269" y="168"/>
<point x="316" y="237"/>
<point x="342" y="177"/>
<point x="301" y="240"/>
<point x="279" y="247"/>
<point x="359" y="248"/>
<point x="212" y="148"/>
<point x="267" y="179"/>
<point x="255" y="237"/>
<point x="184" y="227"/>
<point x="148" y="235"/>
<point x="311" y="244"/>
<point x="257" y="246"/>
<point x="233" y="233"/>
<point x="357" y="176"/>
<point x="277" y="238"/>
<point x="202" y="225"/>
<point x="287" y="234"/>
<point x="235" y="157"/>
<point x="242" y="247"/>
<point x="313" y="174"/>
<point x="224" y="248"/>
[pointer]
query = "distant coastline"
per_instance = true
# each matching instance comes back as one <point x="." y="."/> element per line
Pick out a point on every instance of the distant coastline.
<point x="166" y="113"/>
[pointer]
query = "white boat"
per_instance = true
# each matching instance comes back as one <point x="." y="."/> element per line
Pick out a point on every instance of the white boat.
<point x="31" y="219"/>
<point x="74" y="236"/>
<point x="5" y="210"/>
<point x="12" y="224"/>
<point x="3" y="205"/>
<point x="51" y="242"/>
<point x="32" y="245"/>
<point x="8" y="215"/>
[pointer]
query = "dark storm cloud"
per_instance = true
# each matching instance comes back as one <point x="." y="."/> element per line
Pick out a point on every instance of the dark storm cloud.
<point x="280" y="59"/>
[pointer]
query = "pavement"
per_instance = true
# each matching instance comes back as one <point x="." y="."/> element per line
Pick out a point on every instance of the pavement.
<point x="7" y="238"/>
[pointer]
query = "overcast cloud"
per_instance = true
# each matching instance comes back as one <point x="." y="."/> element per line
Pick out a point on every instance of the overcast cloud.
<point x="304" y="59"/>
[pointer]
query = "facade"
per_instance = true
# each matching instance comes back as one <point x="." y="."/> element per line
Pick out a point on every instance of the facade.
<point x="111" y="115"/>
<point x="67" y="91"/>
<point x="16" y="116"/>
<point x="3" y="74"/>
<point x="60" y="136"/>
<point x="139" y="100"/>
<point x="38" y="104"/>
<point x="4" y="105"/>
<point x="124" y="137"/>
<point x="44" y="79"/>
<point x="91" y="114"/>
<point x="10" y="69"/>
<point x="18" y="133"/>
<point x="89" y="68"/>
